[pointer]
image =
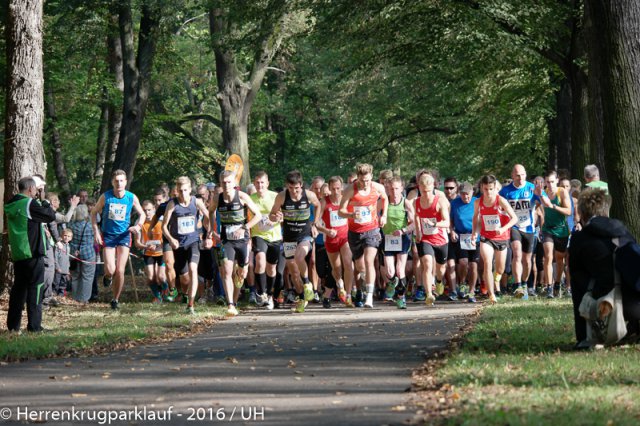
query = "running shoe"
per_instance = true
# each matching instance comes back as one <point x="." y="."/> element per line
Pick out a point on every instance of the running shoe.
<point x="401" y="303"/>
<point x="291" y="297"/>
<point x="357" y="301"/>
<point x="326" y="303"/>
<point x="342" y="295"/>
<point x="253" y="300"/>
<point x="232" y="311"/>
<point x="390" y="291"/>
<point x="472" y="299"/>
<point x="550" y="292"/>
<point x="439" y="288"/>
<point x="316" y="297"/>
<point x="300" y="305"/>
<point x="369" y="301"/>
<point x="115" y="305"/>
<point x="156" y="300"/>
<point x="420" y="295"/>
<point x="525" y="295"/>
<point x="221" y="301"/>
<point x="185" y="298"/>
<point x="520" y="292"/>
<point x="190" y="310"/>
<point x="430" y="300"/>
<point x="107" y="281"/>
<point x="269" y="304"/>
<point x="349" y="303"/>
<point x="171" y="295"/>
<point x="493" y="299"/>
<point x="532" y="292"/>
<point x="452" y="298"/>
<point x="557" y="291"/>
<point x="308" y="292"/>
<point x="280" y="298"/>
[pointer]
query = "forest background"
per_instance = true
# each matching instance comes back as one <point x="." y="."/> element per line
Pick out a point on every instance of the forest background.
<point x="168" y="88"/>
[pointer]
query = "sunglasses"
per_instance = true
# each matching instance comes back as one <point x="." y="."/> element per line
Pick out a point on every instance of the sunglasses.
<point x="449" y="188"/>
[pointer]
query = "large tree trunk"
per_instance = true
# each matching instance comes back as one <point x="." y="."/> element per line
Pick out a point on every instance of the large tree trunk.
<point x="236" y="96"/>
<point x="560" y="130"/>
<point x="103" y="136"/>
<point x="23" y="149"/>
<point x="137" y="79"/>
<point x="114" y="113"/>
<point x="56" y="145"/>
<point x="616" y="23"/>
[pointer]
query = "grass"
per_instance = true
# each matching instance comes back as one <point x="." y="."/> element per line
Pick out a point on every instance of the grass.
<point x="516" y="367"/>
<point x="96" y="328"/>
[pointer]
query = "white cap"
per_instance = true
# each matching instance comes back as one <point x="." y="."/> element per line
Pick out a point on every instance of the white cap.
<point x="39" y="182"/>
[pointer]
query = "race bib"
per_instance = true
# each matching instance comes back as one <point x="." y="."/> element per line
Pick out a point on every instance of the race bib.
<point x="362" y="215"/>
<point x="491" y="222"/>
<point x="117" y="212"/>
<point x="427" y="227"/>
<point x="392" y="243"/>
<point x="265" y="224"/>
<point x="335" y="221"/>
<point x="524" y="218"/>
<point x="153" y="243"/>
<point x="466" y="242"/>
<point x="186" y="225"/>
<point x="230" y="231"/>
<point x="289" y="249"/>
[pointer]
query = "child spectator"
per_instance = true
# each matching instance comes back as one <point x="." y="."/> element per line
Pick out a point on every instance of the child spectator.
<point x="62" y="277"/>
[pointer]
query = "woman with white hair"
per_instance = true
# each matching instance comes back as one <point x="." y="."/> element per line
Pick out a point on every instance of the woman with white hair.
<point x="82" y="248"/>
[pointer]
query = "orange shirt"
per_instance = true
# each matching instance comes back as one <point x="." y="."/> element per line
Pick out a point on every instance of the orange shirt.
<point x="156" y="236"/>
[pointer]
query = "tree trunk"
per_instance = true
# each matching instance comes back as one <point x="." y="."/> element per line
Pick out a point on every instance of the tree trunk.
<point x="560" y="130"/>
<point x="616" y="25"/>
<point x="103" y="136"/>
<point x="137" y="78"/>
<point x="114" y="112"/>
<point x="236" y="96"/>
<point x="56" y="145"/>
<point x="23" y="148"/>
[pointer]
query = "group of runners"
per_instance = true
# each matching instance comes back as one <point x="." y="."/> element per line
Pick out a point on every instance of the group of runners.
<point x="354" y="242"/>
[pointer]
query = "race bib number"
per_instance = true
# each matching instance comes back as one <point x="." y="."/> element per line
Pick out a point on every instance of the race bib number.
<point x="427" y="227"/>
<point x="335" y="221"/>
<point x="153" y="243"/>
<point x="290" y="249"/>
<point x="265" y="224"/>
<point x="186" y="225"/>
<point x="230" y="231"/>
<point x="392" y="243"/>
<point x="524" y="218"/>
<point x="117" y="212"/>
<point x="491" y="222"/>
<point x="362" y="215"/>
<point x="466" y="243"/>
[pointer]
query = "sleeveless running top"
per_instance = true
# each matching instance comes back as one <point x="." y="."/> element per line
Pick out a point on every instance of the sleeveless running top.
<point x="555" y="223"/>
<point x="492" y="218"/>
<point x="365" y="209"/>
<point x="296" y="222"/>
<point x="183" y="222"/>
<point x="333" y="221"/>
<point x="232" y="217"/>
<point x="264" y="229"/>
<point x="430" y="234"/>
<point x="396" y="217"/>
<point x="116" y="213"/>
<point x="156" y="235"/>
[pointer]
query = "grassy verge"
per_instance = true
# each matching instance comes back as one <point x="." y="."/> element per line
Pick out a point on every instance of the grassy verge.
<point x="89" y="329"/>
<point x="516" y="367"/>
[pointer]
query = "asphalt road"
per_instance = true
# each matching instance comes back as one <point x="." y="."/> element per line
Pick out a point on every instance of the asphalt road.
<point x="323" y="367"/>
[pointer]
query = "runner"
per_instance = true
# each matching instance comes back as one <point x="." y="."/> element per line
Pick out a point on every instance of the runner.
<point x="292" y="207"/>
<point x="335" y="229"/>
<point x="451" y="192"/>
<point x="432" y="222"/>
<point x="521" y="196"/>
<point x="160" y="201"/>
<point x="234" y="234"/>
<point x="154" y="268"/>
<point x="179" y="227"/>
<point x="467" y="254"/>
<point x="359" y="205"/>
<point x="114" y="207"/>
<point x="397" y="241"/>
<point x="493" y="215"/>
<point x="555" y="231"/>
<point x="266" y="237"/>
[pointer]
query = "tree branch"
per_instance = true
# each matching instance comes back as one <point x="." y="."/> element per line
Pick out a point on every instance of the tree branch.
<point x="207" y="117"/>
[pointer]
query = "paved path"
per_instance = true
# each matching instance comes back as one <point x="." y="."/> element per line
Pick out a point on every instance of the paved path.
<point x="320" y="368"/>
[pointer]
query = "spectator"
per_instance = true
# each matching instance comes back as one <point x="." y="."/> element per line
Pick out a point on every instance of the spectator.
<point x="62" y="277"/>
<point x="592" y="178"/>
<point x="82" y="248"/>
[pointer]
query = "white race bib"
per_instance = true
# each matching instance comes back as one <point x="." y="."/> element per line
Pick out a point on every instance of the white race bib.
<point x="392" y="243"/>
<point x="153" y="243"/>
<point x="524" y="218"/>
<point x="230" y="231"/>
<point x="491" y="222"/>
<point x="335" y="221"/>
<point x="290" y="249"/>
<point x="117" y="212"/>
<point x="427" y="227"/>
<point x="265" y="224"/>
<point x="362" y="215"/>
<point x="186" y="225"/>
<point x="465" y="242"/>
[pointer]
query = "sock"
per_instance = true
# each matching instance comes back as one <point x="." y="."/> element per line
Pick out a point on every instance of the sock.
<point x="340" y="284"/>
<point x="369" y="293"/>
<point x="261" y="282"/>
<point x="305" y="280"/>
<point x="401" y="287"/>
<point x="270" y="283"/>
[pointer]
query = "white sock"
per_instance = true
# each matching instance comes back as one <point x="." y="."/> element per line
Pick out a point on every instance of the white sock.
<point x="370" y="294"/>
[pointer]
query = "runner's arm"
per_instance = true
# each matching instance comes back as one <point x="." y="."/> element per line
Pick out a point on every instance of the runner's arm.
<point x="346" y="197"/>
<point x="94" y="219"/>
<point x="506" y="206"/>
